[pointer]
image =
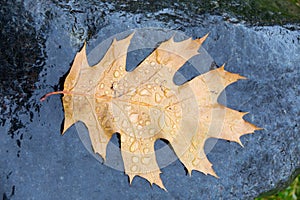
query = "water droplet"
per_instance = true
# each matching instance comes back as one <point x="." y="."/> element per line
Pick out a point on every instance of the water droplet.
<point x="121" y="68"/>
<point x="133" y="168"/>
<point x="196" y="161"/>
<point x="115" y="119"/>
<point x="91" y="82"/>
<point x="139" y="127"/>
<point x="134" y="146"/>
<point x="67" y="98"/>
<point x="168" y="93"/>
<point x="102" y="85"/>
<point x="135" y="159"/>
<point x="156" y="81"/>
<point x="144" y="92"/>
<point x="146" y="160"/>
<point x="152" y="131"/>
<point x="134" y="117"/>
<point x="152" y="63"/>
<point x="147" y="122"/>
<point x="115" y="85"/>
<point x="124" y="123"/>
<point x="131" y="91"/>
<point x="98" y="99"/>
<point x="168" y="121"/>
<point x="149" y="86"/>
<point x="177" y="114"/>
<point x="146" y="150"/>
<point x="105" y="119"/>
<point x="127" y="108"/>
<point x="68" y="115"/>
<point x="98" y="109"/>
<point x="158" y="98"/>
<point x="116" y="74"/>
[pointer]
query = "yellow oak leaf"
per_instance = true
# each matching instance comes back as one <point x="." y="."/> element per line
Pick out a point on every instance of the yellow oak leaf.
<point x="145" y="105"/>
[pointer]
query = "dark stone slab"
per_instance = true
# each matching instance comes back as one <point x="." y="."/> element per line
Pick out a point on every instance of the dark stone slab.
<point x="38" y="44"/>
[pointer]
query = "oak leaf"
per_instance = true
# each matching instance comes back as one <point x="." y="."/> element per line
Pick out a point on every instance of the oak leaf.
<point x="145" y="105"/>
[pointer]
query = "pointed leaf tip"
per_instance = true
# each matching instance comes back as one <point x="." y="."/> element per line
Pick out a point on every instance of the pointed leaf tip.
<point x="239" y="142"/>
<point x="223" y="67"/>
<point x="242" y="77"/>
<point x="258" y="128"/>
<point x="130" y="36"/>
<point x="202" y="39"/>
<point x="131" y="177"/>
<point x="213" y="173"/>
<point x="68" y="122"/>
<point x="245" y="113"/>
<point x="172" y="37"/>
<point x="83" y="49"/>
<point x="238" y="76"/>
<point x="161" y="185"/>
<point x="189" y="171"/>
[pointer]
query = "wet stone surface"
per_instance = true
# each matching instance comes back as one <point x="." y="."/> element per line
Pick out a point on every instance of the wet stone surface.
<point x="38" y="44"/>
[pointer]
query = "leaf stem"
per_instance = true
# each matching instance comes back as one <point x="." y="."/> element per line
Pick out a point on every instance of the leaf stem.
<point x="52" y="93"/>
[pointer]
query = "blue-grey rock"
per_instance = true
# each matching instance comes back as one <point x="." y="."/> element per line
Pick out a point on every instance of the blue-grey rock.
<point x="38" y="44"/>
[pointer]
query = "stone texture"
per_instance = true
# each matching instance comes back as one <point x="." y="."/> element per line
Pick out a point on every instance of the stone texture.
<point x="38" y="163"/>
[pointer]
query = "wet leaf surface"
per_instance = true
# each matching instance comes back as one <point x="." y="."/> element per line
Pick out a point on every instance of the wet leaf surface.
<point x="47" y="36"/>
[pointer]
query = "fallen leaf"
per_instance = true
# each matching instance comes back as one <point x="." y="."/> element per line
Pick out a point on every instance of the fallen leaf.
<point x="145" y="105"/>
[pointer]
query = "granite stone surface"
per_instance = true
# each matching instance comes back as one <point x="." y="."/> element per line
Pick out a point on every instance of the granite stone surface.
<point x="38" y="43"/>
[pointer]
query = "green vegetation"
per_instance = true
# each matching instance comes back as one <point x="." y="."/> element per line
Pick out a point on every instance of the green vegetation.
<point x="264" y="11"/>
<point x="290" y="193"/>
